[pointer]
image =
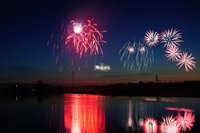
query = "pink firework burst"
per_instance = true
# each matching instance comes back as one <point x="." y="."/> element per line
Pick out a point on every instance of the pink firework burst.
<point x="171" y="37"/>
<point x="86" y="38"/>
<point x="186" y="121"/>
<point x="187" y="60"/>
<point x="173" y="53"/>
<point x="151" y="38"/>
<point x="169" y="125"/>
<point x="150" y="125"/>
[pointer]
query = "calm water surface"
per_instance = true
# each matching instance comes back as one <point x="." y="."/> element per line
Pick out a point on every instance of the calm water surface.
<point x="85" y="113"/>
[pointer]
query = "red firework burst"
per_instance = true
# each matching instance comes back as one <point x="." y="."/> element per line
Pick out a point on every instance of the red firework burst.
<point x="85" y="38"/>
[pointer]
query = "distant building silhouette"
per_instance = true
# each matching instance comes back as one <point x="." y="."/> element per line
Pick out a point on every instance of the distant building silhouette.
<point x="156" y="78"/>
<point x="40" y="83"/>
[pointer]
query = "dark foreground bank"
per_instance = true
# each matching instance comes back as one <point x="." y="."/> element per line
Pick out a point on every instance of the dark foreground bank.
<point x="184" y="89"/>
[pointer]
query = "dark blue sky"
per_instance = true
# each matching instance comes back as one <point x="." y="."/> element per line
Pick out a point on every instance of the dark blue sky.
<point x="26" y="26"/>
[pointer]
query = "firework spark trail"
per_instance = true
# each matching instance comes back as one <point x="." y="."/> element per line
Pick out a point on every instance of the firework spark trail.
<point x="56" y="48"/>
<point x="95" y="38"/>
<point x="151" y="38"/>
<point x="173" y="53"/>
<point x="171" y="37"/>
<point x="187" y="60"/>
<point x="86" y="38"/>
<point x="136" y="56"/>
<point x="127" y="50"/>
<point x="144" y="57"/>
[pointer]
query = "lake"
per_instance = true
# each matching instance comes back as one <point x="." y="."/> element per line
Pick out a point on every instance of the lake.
<point x="86" y="113"/>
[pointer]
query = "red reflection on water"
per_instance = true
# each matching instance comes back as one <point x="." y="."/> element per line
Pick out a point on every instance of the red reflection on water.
<point x="130" y="120"/>
<point x="84" y="113"/>
<point x="150" y="125"/>
<point x="179" y="109"/>
<point x="169" y="125"/>
<point x="186" y="121"/>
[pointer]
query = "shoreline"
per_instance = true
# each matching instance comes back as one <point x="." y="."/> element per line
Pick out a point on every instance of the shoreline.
<point x="184" y="89"/>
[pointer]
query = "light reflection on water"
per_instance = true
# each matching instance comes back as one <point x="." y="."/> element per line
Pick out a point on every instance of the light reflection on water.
<point x="100" y="114"/>
<point x="85" y="113"/>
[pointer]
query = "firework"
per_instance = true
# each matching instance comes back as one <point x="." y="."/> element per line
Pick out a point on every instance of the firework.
<point x="169" y="125"/>
<point x="150" y="125"/>
<point x="102" y="67"/>
<point x="187" y="60"/>
<point x="186" y="121"/>
<point x="86" y="38"/>
<point x="136" y="56"/>
<point x="81" y="38"/>
<point x="151" y="38"/>
<point x="94" y="37"/>
<point x="173" y="53"/>
<point x="171" y="37"/>
<point x="142" y="49"/>
<point x="127" y="51"/>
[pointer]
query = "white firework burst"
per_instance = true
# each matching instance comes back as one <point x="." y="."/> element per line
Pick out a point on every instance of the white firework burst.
<point x="151" y="38"/>
<point x="136" y="56"/>
<point x="127" y="52"/>
<point x="173" y="53"/>
<point x="187" y="60"/>
<point x="171" y="37"/>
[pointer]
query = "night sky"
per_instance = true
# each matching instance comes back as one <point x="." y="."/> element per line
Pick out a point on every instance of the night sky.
<point x="26" y="27"/>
